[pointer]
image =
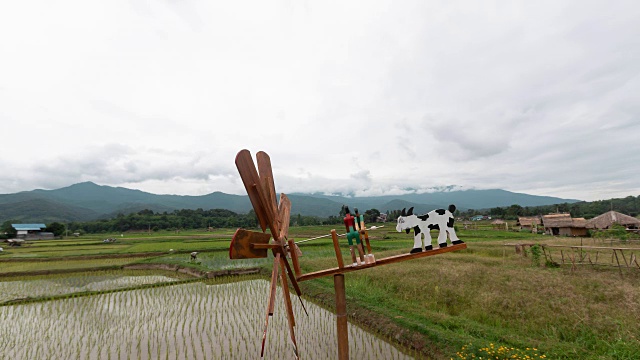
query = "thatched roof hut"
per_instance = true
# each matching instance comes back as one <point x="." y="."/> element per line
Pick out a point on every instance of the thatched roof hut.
<point x="499" y="224"/>
<point x="528" y="222"/>
<point x="606" y="220"/>
<point x="563" y="224"/>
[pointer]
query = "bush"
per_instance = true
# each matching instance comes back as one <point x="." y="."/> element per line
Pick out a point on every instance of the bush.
<point x="617" y="231"/>
<point x="536" y="253"/>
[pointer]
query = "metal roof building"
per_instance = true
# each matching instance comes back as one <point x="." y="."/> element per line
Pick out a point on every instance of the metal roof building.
<point x="29" y="227"/>
<point x="32" y="231"/>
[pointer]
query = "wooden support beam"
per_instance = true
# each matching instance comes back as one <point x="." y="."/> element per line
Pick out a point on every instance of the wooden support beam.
<point x="341" y="317"/>
<point x="379" y="262"/>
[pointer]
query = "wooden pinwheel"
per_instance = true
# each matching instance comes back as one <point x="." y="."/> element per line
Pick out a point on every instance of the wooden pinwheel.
<point x="275" y="217"/>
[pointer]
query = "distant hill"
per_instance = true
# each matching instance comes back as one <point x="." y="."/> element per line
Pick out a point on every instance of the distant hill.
<point x="43" y="211"/>
<point x="89" y="201"/>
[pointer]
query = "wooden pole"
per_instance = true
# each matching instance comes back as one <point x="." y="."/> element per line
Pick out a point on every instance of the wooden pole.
<point x="341" y="317"/>
<point x="336" y="247"/>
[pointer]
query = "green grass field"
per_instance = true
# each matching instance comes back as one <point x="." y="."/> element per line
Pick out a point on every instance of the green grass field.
<point x="485" y="300"/>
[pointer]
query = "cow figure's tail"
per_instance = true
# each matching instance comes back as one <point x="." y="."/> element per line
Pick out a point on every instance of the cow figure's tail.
<point x="452" y="208"/>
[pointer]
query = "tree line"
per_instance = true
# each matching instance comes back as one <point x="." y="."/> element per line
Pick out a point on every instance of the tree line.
<point x="148" y="220"/>
<point x="629" y="205"/>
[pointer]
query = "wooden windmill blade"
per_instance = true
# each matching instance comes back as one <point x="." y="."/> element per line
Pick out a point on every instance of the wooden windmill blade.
<point x="266" y="177"/>
<point x="284" y="213"/>
<point x="251" y="181"/>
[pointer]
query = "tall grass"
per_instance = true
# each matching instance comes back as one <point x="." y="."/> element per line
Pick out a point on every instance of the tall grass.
<point x="489" y="295"/>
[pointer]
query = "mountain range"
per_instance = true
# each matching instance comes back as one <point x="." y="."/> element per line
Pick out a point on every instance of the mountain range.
<point x="88" y="201"/>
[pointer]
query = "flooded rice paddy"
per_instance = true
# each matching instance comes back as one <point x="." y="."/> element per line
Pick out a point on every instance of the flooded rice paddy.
<point x="62" y="285"/>
<point x="187" y="321"/>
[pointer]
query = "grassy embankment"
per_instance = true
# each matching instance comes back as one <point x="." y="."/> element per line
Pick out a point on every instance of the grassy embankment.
<point x="486" y="296"/>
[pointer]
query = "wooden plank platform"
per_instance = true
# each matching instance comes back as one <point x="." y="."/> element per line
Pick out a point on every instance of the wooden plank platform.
<point x="384" y="261"/>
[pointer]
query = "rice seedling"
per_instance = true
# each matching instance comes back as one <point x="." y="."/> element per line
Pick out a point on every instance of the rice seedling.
<point x="33" y="287"/>
<point x="195" y="320"/>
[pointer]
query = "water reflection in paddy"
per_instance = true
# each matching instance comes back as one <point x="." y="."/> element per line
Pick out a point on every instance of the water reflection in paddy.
<point x="189" y="321"/>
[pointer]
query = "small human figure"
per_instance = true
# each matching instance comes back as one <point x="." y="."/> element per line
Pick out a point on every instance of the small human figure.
<point x="352" y="233"/>
<point x="362" y="229"/>
<point x="194" y="255"/>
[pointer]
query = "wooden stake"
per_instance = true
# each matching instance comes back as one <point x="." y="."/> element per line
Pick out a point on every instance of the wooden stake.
<point x="353" y="254"/>
<point x="360" y="252"/>
<point x="341" y="317"/>
<point x="618" y="260"/>
<point x="336" y="247"/>
<point x="366" y="240"/>
<point x="624" y="258"/>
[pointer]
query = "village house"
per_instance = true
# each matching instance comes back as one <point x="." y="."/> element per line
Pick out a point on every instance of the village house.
<point x="32" y="231"/>
<point x="564" y="225"/>
<point x="606" y="220"/>
<point x="382" y="218"/>
<point x="529" y="223"/>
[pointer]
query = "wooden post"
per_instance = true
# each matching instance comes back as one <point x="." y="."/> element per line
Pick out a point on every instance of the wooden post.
<point x="619" y="267"/>
<point x="624" y="257"/>
<point x="336" y="247"/>
<point x="341" y="317"/>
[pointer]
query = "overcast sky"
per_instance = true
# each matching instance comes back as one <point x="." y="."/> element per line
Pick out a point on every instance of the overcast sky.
<point x="367" y="98"/>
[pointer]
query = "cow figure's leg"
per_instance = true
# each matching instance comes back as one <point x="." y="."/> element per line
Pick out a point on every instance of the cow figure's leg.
<point x="453" y="237"/>
<point x="417" y="240"/>
<point x="427" y="240"/>
<point x="452" y="233"/>
<point x="442" y="237"/>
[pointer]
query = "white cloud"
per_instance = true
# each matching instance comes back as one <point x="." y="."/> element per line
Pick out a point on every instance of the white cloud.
<point x="363" y="98"/>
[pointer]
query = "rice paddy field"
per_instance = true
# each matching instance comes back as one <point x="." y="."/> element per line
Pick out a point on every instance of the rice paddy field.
<point x="486" y="301"/>
<point x="48" y="287"/>
<point x="187" y="321"/>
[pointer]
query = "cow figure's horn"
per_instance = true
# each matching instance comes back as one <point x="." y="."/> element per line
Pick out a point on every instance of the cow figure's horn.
<point x="410" y="211"/>
<point x="403" y="212"/>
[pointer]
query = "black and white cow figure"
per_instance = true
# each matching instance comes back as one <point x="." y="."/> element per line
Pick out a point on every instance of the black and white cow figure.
<point x="440" y="219"/>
